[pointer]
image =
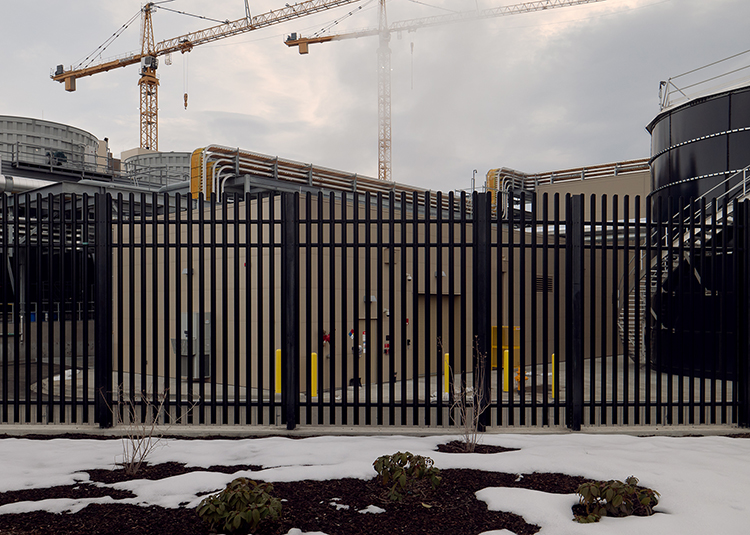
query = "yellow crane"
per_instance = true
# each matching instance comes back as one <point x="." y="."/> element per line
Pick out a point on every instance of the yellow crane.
<point x="150" y="51"/>
<point x="384" y="30"/>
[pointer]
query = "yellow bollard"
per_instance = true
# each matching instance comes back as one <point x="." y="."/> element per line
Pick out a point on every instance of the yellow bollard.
<point x="446" y="373"/>
<point x="278" y="371"/>
<point x="506" y="371"/>
<point x="553" y="376"/>
<point x="314" y="377"/>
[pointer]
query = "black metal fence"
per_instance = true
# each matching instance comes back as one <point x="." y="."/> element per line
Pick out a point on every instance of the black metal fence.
<point x="361" y="310"/>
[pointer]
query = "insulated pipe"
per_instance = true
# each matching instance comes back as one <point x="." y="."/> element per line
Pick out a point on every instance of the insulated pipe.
<point x="9" y="184"/>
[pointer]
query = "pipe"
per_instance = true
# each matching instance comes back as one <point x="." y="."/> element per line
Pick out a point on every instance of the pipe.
<point x="9" y="184"/>
<point x="175" y="186"/>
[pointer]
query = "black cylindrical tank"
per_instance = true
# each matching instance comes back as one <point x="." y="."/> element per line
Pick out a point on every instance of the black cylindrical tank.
<point x="698" y="148"/>
<point x="697" y="145"/>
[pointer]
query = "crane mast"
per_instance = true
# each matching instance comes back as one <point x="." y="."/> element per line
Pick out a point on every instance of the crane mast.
<point x="150" y="51"/>
<point x="384" y="96"/>
<point x="149" y="84"/>
<point x="383" y="31"/>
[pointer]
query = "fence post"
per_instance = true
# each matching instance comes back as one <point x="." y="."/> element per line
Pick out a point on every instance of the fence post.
<point x="574" y="312"/>
<point x="482" y="268"/>
<point x="103" y="308"/>
<point x="743" y="297"/>
<point x="289" y="308"/>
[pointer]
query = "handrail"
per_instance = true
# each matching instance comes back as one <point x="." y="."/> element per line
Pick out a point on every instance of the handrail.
<point x="683" y="216"/>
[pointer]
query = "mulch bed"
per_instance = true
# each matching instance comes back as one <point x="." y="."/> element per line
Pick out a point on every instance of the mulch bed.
<point x="451" y="509"/>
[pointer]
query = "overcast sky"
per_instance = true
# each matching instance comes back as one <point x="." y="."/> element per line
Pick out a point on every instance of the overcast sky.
<point x="541" y="91"/>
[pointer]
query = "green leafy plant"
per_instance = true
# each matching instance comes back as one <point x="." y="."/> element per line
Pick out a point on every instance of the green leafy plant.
<point x="400" y="471"/>
<point x="615" y="498"/>
<point x="240" y="507"/>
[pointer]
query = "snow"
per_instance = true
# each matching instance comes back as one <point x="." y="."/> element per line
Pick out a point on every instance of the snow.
<point x="703" y="481"/>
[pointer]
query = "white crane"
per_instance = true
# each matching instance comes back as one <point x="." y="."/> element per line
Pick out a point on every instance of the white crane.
<point x="383" y="31"/>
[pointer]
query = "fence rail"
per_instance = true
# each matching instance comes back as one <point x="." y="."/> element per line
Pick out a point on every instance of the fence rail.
<point x="397" y="309"/>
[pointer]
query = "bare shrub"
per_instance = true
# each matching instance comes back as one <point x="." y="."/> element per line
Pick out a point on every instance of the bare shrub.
<point x="470" y="402"/>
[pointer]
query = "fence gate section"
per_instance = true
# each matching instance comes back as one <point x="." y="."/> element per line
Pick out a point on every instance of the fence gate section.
<point x="350" y="309"/>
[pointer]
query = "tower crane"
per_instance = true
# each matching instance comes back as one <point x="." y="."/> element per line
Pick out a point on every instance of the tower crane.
<point x="383" y="31"/>
<point x="150" y="51"/>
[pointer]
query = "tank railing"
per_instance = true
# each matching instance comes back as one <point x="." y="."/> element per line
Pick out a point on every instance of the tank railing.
<point x="626" y="304"/>
<point x="80" y="162"/>
<point x="668" y="89"/>
<point x="77" y="159"/>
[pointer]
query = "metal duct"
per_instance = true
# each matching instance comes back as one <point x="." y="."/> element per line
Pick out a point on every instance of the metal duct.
<point x="9" y="184"/>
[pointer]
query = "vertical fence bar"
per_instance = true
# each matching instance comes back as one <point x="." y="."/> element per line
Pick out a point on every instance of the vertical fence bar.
<point x="574" y="335"/>
<point x="391" y="336"/>
<point x="545" y="310"/>
<point x="511" y="329"/>
<point x="262" y="352"/>
<point x="6" y="298"/>
<point x="614" y="369"/>
<point x="679" y="327"/>
<point x="522" y="299"/>
<point x="224" y="312"/>
<point x="482" y="302"/>
<point x="273" y="341"/>
<point x="415" y="308"/>
<point x="439" y="274"/>
<point x="76" y="281"/>
<point x="155" y="292"/>
<point x="178" y="308"/>
<point x="402" y="346"/>
<point x="358" y="350"/>
<point x="626" y="316"/>
<point x="693" y="338"/>
<point x="428" y="276"/>
<point x="213" y="276"/>
<point x="464" y="336"/>
<point x="637" y="345"/>
<point x="201" y="403"/>
<point x="595" y="326"/>
<point x="671" y="275"/>
<point x="367" y="349"/>
<point x="351" y="343"/>
<point x="249" y="266"/>
<point x="323" y="334"/>
<point x="334" y="275"/>
<point x="40" y="309"/>
<point x="61" y="315"/>
<point x="24" y="286"/>
<point x="238" y="320"/>
<point x="452" y="304"/>
<point x="533" y="288"/>
<point x="605" y="262"/>
<point x="103" y="308"/>
<point x="379" y="277"/>
<point x="190" y="327"/>
<point x="290" y="307"/>
<point x="16" y="317"/>
<point x="742" y="382"/>
<point x="144" y="308"/>
<point x="308" y="347"/>
<point x="649" y="338"/>
<point x="130" y="398"/>
<point x="659" y="304"/>
<point x="166" y="326"/>
<point x="725" y="310"/>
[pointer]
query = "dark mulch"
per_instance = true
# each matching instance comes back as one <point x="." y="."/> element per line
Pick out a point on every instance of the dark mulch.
<point x="458" y="446"/>
<point x="161" y="471"/>
<point x="451" y="509"/>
